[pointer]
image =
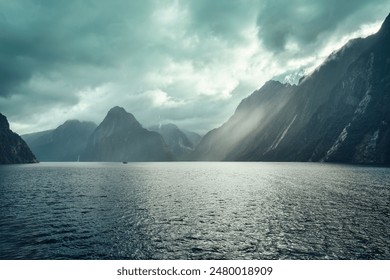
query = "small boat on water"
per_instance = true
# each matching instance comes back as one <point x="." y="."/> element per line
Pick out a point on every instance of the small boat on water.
<point x="124" y="162"/>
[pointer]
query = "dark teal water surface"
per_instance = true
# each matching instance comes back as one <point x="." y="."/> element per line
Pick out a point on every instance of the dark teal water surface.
<point x="194" y="211"/>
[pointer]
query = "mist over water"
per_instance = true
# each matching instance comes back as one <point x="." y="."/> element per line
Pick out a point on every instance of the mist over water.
<point x="194" y="211"/>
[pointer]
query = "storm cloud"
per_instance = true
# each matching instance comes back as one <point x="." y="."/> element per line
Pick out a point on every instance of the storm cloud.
<point x="305" y="22"/>
<point x="186" y="62"/>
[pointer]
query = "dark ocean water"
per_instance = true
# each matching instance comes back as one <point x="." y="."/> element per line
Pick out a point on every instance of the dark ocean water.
<point x="194" y="211"/>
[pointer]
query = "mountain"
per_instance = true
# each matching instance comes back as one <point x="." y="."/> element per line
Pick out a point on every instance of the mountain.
<point x="12" y="147"/>
<point x="177" y="141"/>
<point x="339" y="113"/>
<point x="253" y="114"/>
<point x="192" y="136"/>
<point x="65" y="143"/>
<point x="120" y="137"/>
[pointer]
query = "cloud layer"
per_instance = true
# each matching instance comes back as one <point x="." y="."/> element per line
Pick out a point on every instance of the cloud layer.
<point x="187" y="62"/>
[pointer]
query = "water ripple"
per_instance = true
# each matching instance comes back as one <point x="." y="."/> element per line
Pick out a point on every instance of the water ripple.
<point x="194" y="211"/>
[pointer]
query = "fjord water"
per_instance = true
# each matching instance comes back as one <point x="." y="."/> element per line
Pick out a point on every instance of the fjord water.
<point x="194" y="211"/>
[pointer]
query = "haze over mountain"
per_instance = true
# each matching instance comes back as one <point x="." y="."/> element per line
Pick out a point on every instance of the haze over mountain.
<point x="192" y="136"/>
<point x="12" y="147"/>
<point x="120" y="137"/>
<point x="178" y="142"/>
<point x="65" y="143"/>
<point x="339" y="113"/>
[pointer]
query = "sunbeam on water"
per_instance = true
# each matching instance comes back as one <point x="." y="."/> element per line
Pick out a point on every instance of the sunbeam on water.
<point x="194" y="210"/>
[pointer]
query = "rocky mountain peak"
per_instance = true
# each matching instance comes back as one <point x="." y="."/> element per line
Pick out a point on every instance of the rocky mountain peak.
<point x="119" y="112"/>
<point x="385" y="28"/>
<point x="119" y="116"/>
<point x="120" y="137"/>
<point x="4" y="125"/>
<point x="12" y="147"/>
<point x="116" y="111"/>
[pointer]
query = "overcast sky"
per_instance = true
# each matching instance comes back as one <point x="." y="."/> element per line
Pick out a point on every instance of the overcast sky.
<point x="185" y="62"/>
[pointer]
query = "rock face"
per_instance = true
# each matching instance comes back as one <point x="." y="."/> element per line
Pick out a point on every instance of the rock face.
<point x="339" y="113"/>
<point x="177" y="141"/>
<point x="120" y="137"/>
<point x="12" y="147"/>
<point x="65" y="143"/>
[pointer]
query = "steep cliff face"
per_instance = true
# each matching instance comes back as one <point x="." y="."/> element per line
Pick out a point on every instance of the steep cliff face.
<point x="339" y="113"/>
<point x="65" y="143"/>
<point x="253" y="114"/>
<point x="120" y="137"/>
<point x="12" y="147"/>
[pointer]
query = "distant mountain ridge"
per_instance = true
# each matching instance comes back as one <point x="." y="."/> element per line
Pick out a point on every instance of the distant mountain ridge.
<point x="339" y="113"/>
<point x="65" y="143"/>
<point x="68" y="142"/>
<point x="120" y="137"/>
<point x="178" y="142"/>
<point x="13" y="149"/>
